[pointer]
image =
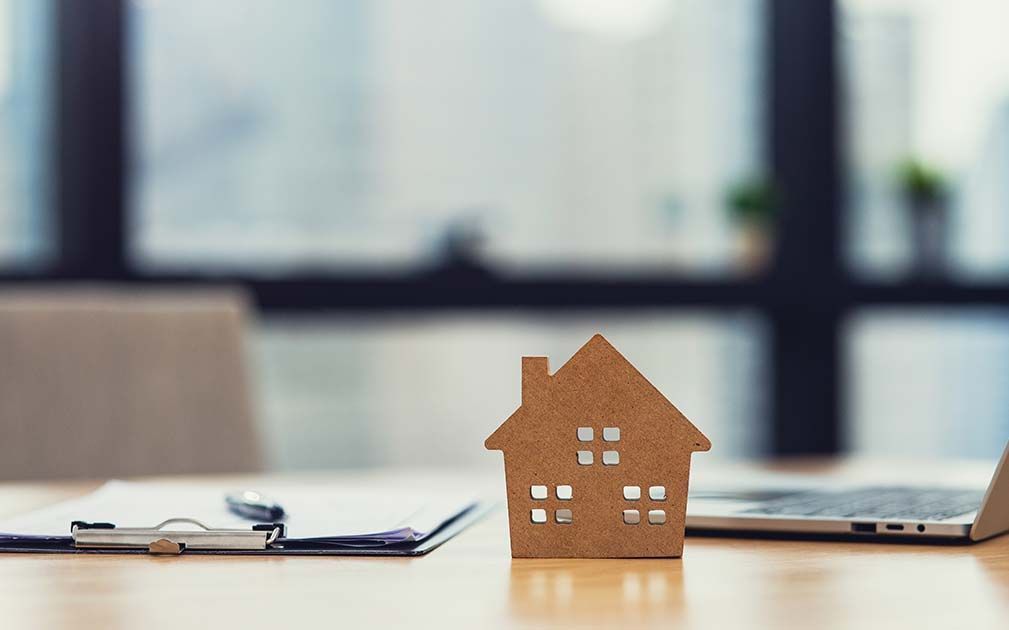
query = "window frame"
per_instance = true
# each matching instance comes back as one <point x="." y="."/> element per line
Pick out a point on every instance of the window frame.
<point x="804" y="295"/>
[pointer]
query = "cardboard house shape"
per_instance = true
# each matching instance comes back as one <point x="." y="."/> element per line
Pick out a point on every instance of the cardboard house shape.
<point x="597" y="461"/>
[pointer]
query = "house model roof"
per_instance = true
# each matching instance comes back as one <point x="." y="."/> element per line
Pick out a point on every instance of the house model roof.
<point x="596" y="377"/>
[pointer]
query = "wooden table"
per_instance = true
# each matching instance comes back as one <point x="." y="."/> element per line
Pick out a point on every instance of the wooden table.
<point x="472" y="582"/>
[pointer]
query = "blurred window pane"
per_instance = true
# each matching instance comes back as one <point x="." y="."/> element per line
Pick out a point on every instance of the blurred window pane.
<point x="374" y="132"/>
<point x="928" y="81"/>
<point x="929" y="382"/>
<point x="24" y="132"/>
<point x="420" y="391"/>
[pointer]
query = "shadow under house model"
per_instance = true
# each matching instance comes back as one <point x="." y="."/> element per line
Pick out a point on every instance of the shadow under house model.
<point x="597" y="461"/>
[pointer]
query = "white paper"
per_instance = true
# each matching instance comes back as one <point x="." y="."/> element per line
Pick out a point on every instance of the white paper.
<point x="312" y="511"/>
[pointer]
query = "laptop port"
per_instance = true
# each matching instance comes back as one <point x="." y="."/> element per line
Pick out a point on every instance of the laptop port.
<point x="864" y="528"/>
<point x="896" y="527"/>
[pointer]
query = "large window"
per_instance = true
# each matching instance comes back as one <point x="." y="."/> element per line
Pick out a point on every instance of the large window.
<point x="24" y="131"/>
<point x="789" y="213"/>
<point x="519" y="136"/>
<point x="531" y="134"/>
<point x="926" y="103"/>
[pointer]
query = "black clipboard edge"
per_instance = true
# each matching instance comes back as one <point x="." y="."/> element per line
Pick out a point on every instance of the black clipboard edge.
<point x="452" y="528"/>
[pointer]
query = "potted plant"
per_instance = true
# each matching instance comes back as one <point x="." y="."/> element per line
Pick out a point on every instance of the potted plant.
<point x="923" y="192"/>
<point x="752" y="205"/>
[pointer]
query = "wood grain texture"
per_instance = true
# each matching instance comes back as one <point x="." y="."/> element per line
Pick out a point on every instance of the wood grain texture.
<point x="472" y="582"/>
<point x="597" y="388"/>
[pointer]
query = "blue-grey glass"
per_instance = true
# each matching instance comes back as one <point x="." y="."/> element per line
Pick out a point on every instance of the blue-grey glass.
<point x="25" y="132"/>
<point x="392" y="133"/>
<point x="926" y="81"/>
<point x="928" y="382"/>
<point x="408" y="391"/>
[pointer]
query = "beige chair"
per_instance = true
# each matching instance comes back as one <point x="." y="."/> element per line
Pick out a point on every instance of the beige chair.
<point x="99" y="382"/>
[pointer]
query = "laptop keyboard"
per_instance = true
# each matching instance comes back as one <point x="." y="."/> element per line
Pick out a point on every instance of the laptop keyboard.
<point x="916" y="504"/>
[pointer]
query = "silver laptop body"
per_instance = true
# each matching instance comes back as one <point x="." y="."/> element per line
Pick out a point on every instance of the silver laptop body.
<point x="866" y="512"/>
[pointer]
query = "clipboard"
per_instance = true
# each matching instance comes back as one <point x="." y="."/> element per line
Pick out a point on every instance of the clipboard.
<point x="162" y="540"/>
<point x="267" y="539"/>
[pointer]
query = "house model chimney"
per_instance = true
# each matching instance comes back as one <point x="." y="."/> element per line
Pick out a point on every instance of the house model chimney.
<point x="535" y="377"/>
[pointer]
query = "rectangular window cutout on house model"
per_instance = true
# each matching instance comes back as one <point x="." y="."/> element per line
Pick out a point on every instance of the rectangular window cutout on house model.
<point x="597" y="461"/>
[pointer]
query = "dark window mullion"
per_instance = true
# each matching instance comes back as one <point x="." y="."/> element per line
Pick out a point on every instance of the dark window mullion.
<point x="90" y="121"/>
<point x="808" y="276"/>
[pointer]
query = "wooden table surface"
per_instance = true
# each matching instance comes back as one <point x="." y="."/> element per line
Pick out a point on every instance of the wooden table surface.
<point x="472" y="582"/>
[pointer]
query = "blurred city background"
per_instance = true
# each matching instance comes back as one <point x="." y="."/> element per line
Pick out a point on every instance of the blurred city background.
<point x="375" y="172"/>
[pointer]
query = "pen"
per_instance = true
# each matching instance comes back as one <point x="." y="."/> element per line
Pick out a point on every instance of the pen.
<point x="254" y="506"/>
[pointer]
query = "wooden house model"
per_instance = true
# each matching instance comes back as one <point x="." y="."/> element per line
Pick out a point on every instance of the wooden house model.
<point x="597" y="461"/>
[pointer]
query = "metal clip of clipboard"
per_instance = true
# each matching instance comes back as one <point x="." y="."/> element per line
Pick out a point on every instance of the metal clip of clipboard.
<point x="160" y="540"/>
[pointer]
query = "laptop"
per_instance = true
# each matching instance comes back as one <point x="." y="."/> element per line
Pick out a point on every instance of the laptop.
<point x="858" y="512"/>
